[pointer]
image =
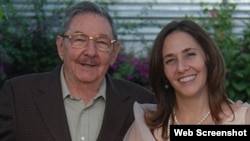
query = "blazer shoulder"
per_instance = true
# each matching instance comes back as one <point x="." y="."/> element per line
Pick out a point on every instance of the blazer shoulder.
<point x="129" y="86"/>
<point x="28" y="77"/>
<point x="134" y="91"/>
<point x="36" y="76"/>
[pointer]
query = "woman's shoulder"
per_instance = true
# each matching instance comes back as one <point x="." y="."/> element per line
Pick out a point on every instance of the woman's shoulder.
<point x="140" y="110"/>
<point x="246" y="106"/>
<point x="139" y="131"/>
<point x="244" y="112"/>
<point x="144" y="106"/>
<point x="241" y="114"/>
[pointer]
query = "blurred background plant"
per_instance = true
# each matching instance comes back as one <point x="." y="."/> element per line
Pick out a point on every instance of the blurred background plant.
<point x="28" y="45"/>
<point x="3" y="56"/>
<point x="235" y="48"/>
<point x="130" y="68"/>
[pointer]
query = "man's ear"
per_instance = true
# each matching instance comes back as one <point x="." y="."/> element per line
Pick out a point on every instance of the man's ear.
<point x="115" y="52"/>
<point x="59" y="41"/>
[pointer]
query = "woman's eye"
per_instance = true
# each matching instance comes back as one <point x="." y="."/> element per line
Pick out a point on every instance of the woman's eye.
<point x="169" y="61"/>
<point x="191" y="54"/>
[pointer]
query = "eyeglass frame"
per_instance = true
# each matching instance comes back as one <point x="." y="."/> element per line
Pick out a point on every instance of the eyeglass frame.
<point x="89" y="38"/>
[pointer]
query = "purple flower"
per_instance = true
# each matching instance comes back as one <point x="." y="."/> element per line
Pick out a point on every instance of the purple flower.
<point x="114" y="67"/>
<point x="139" y="72"/>
<point x="1" y="69"/>
<point x="129" y="77"/>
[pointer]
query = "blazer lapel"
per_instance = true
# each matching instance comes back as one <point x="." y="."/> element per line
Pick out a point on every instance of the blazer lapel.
<point x="50" y="104"/>
<point x="116" y="113"/>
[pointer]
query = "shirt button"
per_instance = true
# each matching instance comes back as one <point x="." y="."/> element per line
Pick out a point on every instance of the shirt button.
<point x="82" y="138"/>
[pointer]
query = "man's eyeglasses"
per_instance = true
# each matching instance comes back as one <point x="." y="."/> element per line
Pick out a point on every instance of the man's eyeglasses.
<point x="80" y="40"/>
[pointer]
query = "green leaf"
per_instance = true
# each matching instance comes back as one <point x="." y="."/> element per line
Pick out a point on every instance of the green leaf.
<point x="1" y="14"/>
<point x="239" y="86"/>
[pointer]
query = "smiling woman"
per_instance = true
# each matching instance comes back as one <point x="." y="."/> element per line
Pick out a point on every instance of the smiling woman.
<point x="187" y="74"/>
<point x="184" y="64"/>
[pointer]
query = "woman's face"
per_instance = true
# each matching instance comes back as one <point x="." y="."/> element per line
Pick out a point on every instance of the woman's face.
<point x="184" y="64"/>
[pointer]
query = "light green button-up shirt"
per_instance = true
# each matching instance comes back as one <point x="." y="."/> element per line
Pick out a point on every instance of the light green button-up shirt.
<point x="84" y="120"/>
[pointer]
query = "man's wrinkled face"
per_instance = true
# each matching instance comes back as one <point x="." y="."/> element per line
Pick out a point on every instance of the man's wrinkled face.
<point x="87" y="64"/>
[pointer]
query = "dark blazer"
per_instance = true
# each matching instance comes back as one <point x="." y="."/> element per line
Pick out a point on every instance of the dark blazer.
<point x="32" y="108"/>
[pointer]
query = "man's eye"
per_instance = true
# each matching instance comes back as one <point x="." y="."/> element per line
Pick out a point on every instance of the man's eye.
<point x="80" y="39"/>
<point x="102" y="42"/>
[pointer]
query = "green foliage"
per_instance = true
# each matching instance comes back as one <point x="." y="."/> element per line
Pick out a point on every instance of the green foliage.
<point x="235" y="49"/>
<point x="28" y="41"/>
<point x="1" y="13"/>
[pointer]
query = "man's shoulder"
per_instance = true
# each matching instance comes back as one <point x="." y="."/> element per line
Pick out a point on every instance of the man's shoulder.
<point x="126" y="83"/>
<point x="33" y="77"/>
<point x="28" y="77"/>
<point x="134" y="91"/>
<point x="130" y="86"/>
